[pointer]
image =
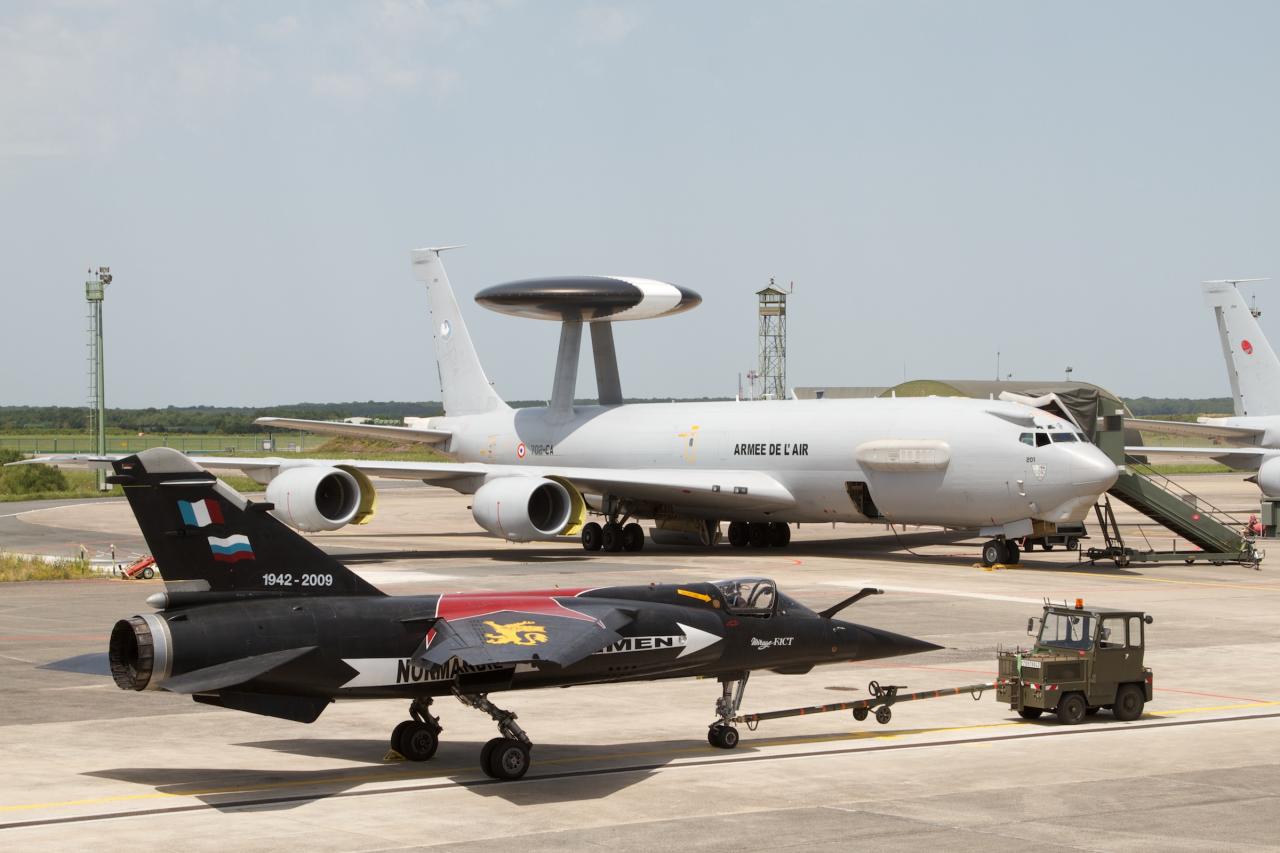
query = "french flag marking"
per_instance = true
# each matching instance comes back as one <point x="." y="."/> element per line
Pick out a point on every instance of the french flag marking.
<point x="200" y="513"/>
<point x="233" y="549"/>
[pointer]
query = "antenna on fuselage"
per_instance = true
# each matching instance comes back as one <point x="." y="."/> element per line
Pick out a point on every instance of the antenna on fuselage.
<point x="597" y="300"/>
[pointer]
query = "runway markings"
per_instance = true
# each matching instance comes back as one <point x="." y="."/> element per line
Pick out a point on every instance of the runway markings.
<point x="411" y="773"/>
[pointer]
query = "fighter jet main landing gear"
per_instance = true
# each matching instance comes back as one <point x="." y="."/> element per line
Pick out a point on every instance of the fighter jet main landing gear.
<point x="417" y="739"/>
<point x="722" y="734"/>
<point x="506" y="757"/>
<point x="1003" y="551"/>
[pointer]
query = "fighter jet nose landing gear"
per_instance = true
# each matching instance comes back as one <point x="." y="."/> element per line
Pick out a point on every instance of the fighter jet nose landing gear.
<point x="722" y="734"/>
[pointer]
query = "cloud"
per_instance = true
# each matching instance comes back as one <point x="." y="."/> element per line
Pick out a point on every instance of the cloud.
<point x="604" y="24"/>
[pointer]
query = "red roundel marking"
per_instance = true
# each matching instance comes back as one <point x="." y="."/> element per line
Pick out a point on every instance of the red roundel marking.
<point x="1246" y="346"/>
<point x="520" y="451"/>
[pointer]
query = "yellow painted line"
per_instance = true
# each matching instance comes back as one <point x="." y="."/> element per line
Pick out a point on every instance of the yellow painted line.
<point x="437" y="772"/>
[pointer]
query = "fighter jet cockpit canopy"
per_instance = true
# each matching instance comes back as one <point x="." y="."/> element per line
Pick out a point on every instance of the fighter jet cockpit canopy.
<point x="749" y="596"/>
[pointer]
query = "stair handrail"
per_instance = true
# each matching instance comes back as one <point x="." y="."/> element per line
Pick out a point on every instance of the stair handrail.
<point x="1182" y="493"/>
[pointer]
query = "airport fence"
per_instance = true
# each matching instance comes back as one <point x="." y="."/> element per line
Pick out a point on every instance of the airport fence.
<point x="195" y="444"/>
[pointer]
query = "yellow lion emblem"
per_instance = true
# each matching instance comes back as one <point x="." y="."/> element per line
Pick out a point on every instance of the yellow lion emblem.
<point x="516" y="634"/>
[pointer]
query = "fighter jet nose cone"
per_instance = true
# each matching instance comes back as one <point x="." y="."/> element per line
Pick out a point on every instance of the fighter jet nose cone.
<point x="874" y="643"/>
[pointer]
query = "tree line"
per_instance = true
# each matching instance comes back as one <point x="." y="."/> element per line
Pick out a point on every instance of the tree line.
<point x="222" y="420"/>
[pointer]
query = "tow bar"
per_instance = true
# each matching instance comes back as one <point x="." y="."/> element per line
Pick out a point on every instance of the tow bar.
<point x="883" y="697"/>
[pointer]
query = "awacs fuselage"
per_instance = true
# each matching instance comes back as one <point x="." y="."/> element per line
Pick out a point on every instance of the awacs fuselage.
<point x="348" y="647"/>
<point x="949" y="461"/>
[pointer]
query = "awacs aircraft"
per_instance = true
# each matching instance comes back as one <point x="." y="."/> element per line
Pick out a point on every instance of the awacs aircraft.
<point x="1249" y="440"/>
<point x="1002" y="468"/>
<point x="255" y="618"/>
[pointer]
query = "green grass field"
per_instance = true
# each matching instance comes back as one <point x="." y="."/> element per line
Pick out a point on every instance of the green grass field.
<point x="209" y="443"/>
<point x="14" y="567"/>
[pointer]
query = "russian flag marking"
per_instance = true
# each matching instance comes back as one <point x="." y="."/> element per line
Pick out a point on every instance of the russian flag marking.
<point x="232" y="549"/>
<point x="200" y="513"/>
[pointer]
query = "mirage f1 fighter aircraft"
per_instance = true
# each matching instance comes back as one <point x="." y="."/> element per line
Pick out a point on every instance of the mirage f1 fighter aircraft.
<point x="255" y="618"/>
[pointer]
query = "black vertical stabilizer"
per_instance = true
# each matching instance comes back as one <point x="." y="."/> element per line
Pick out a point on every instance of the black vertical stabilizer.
<point x="201" y="531"/>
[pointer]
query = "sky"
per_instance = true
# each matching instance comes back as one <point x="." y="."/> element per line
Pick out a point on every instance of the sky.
<point x="940" y="181"/>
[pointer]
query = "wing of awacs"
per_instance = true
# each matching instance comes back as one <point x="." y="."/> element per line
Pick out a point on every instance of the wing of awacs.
<point x="1235" y="436"/>
<point x="325" y="494"/>
<point x="380" y="432"/>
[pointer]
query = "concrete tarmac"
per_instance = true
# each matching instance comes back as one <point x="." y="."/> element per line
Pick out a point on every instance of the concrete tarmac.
<point x="627" y="767"/>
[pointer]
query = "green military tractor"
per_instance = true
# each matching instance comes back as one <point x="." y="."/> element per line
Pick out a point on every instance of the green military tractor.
<point x="1084" y="659"/>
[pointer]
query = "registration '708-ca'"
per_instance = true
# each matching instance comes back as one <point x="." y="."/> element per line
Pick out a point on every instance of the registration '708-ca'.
<point x="288" y="579"/>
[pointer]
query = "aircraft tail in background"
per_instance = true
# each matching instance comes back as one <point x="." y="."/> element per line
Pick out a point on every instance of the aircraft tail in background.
<point x="1252" y="366"/>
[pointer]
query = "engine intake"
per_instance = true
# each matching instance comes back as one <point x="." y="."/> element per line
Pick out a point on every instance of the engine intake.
<point x="315" y="498"/>
<point x="140" y="653"/>
<point x="525" y="508"/>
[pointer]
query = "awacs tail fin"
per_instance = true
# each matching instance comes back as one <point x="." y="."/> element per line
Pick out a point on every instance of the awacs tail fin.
<point x="205" y="536"/>
<point x="463" y="385"/>
<point x="1252" y="365"/>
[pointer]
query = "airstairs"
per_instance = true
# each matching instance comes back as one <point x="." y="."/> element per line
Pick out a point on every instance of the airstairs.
<point x="1217" y="534"/>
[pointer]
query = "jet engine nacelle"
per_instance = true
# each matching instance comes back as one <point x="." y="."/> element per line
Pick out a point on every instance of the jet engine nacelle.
<point x="527" y="508"/>
<point x="1268" y="477"/>
<point x="318" y="498"/>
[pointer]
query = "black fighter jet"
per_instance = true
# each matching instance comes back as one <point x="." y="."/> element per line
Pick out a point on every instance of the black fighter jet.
<point x="256" y="618"/>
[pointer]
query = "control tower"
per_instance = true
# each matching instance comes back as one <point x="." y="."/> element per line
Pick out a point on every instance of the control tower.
<point x="772" y="347"/>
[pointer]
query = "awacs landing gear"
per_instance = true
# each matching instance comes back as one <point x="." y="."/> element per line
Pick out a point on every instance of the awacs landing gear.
<point x="505" y="757"/>
<point x="722" y="734"/>
<point x="612" y="537"/>
<point x="759" y="534"/>
<point x="1003" y="551"/>
<point x="417" y="739"/>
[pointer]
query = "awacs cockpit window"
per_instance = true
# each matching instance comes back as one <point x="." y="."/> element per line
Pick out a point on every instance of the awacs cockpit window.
<point x="749" y="595"/>
<point x="1064" y="436"/>
<point x="1067" y="631"/>
<point x="1042" y="439"/>
<point x="1028" y="438"/>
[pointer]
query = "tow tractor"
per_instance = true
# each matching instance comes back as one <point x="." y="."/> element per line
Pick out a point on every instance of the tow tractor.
<point x="1083" y="660"/>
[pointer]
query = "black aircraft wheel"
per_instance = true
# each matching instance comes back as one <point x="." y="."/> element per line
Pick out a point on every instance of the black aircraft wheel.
<point x="414" y="740"/>
<point x="722" y="736"/>
<point x="398" y="733"/>
<point x="592" y="536"/>
<point x="779" y="534"/>
<point x="611" y="540"/>
<point x="1071" y="709"/>
<point x="1011" y="554"/>
<point x="1030" y="713"/>
<point x="883" y="715"/>
<point x="632" y="537"/>
<point x="486" y="752"/>
<point x="1129" y="703"/>
<point x="738" y="534"/>
<point x="1048" y="546"/>
<point x="992" y="553"/>
<point x="505" y="758"/>
<point x="1073" y="544"/>
<point x="758" y="534"/>
<point x="859" y="714"/>
<point x="1030" y="546"/>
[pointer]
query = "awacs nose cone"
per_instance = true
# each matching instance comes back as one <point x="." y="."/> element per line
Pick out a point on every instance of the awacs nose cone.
<point x="1091" y="469"/>
<point x="873" y="643"/>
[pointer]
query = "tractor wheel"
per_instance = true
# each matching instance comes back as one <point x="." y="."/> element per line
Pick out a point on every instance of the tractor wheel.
<point x="1129" y="702"/>
<point x="1071" y="709"/>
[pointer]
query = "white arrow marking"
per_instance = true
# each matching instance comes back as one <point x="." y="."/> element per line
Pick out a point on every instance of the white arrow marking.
<point x="696" y="639"/>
